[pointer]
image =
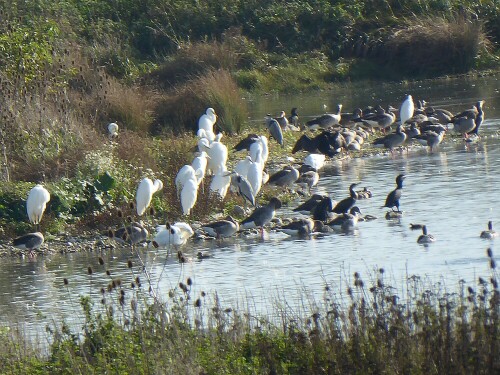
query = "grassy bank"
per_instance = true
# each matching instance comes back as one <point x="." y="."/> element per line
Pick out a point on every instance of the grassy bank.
<point x="68" y="68"/>
<point x="358" y="327"/>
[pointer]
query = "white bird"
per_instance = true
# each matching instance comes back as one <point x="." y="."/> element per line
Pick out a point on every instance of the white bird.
<point x="38" y="198"/>
<point x="145" y="192"/>
<point x="317" y="161"/>
<point x="242" y="166"/>
<point x="113" y="130"/>
<point x="217" y="153"/>
<point x="173" y="234"/>
<point x="187" y="172"/>
<point x="220" y="182"/>
<point x="255" y="174"/>
<point x="407" y="109"/>
<point x="189" y="194"/>
<point x="200" y="163"/>
<point x="207" y="120"/>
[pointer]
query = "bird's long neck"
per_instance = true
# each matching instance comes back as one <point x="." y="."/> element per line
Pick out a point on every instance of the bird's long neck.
<point x="354" y="195"/>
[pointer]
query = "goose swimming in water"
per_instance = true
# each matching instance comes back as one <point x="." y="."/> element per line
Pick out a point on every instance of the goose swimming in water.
<point x="347" y="221"/>
<point x="394" y="196"/>
<point x="425" y="237"/>
<point x="490" y="233"/>
<point x="299" y="227"/>
<point x="222" y="228"/>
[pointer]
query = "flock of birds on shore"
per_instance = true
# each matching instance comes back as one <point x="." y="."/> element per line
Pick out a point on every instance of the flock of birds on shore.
<point x="336" y="133"/>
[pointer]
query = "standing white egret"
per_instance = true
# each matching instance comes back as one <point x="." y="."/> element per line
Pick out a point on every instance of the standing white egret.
<point x="220" y="182"/>
<point x="207" y="122"/>
<point x="254" y="175"/>
<point x="406" y="110"/>
<point x="189" y="194"/>
<point x="200" y="163"/>
<point x="187" y="172"/>
<point x="113" y="130"/>
<point x="145" y="193"/>
<point x="38" y="198"/>
<point x="217" y="153"/>
<point x="317" y="161"/>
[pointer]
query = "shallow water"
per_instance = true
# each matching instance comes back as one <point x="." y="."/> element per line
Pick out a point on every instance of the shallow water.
<point x="454" y="191"/>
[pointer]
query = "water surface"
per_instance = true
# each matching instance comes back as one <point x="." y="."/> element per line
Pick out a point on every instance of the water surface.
<point x="454" y="191"/>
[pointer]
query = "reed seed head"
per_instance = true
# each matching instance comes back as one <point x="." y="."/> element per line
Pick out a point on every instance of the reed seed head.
<point x="155" y="245"/>
<point x="129" y="219"/>
<point x="111" y="234"/>
<point x="89" y="270"/>
<point x="189" y="281"/>
<point x="381" y="270"/>
<point x="101" y="261"/>
<point x="493" y="264"/>
<point x="108" y="273"/>
<point x="129" y="264"/>
<point x="489" y="252"/>
<point x="120" y="213"/>
<point x="151" y="211"/>
<point x="66" y="282"/>
<point x="356" y="275"/>
<point x="203" y="294"/>
<point x="197" y="303"/>
<point x="103" y="290"/>
<point x="132" y="205"/>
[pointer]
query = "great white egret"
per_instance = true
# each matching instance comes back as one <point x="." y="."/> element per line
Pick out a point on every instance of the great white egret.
<point x="317" y="161"/>
<point x="38" y="198"/>
<point x="220" y="182"/>
<point x="207" y="122"/>
<point x="189" y="194"/>
<point x="217" y="152"/>
<point x="254" y="175"/>
<point x="187" y="172"/>
<point x="173" y="234"/>
<point x="406" y="110"/>
<point x="200" y="163"/>
<point x="30" y="241"/>
<point x="113" y="130"/>
<point x="145" y="192"/>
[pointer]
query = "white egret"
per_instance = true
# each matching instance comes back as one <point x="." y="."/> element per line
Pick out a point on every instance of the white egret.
<point x="189" y="194"/>
<point x="173" y="234"/>
<point x="187" y="172"/>
<point x="207" y="122"/>
<point x="220" y="182"/>
<point x="145" y="193"/>
<point x="217" y="153"/>
<point x="242" y="166"/>
<point x="254" y="175"/>
<point x="113" y="130"/>
<point x="200" y="163"/>
<point x="406" y="110"/>
<point x="38" y="198"/>
<point x="317" y="161"/>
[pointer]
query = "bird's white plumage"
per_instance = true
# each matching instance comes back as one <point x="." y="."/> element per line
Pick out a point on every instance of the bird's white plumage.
<point x="145" y="192"/>
<point x="317" y="161"/>
<point x="38" y="198"/>
<point x="176" y="234"/>
<point x="407" y="109"/>
<point x="220" y="183"/>
<point x="113" y="129"/>
<point x="217" y="155"/>
<point x="200" y="164"/>
<point x="189" y="194"/>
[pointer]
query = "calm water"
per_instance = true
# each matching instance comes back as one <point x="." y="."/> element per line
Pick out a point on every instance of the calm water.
<point x="454" y="191"/>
